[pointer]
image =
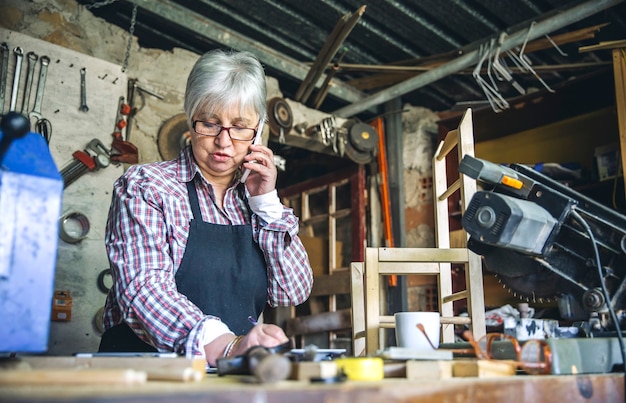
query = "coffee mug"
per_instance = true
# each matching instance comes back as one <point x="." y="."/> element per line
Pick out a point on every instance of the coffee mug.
<point x="408" y="335"/>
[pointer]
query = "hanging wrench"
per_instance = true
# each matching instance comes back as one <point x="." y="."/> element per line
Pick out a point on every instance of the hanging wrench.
<point x="19" y="54"/>
<point x="32" y="60"/>
<point x="83" y="91"/>
<point x="36" y="112"/>
<point x="4" y="67"/>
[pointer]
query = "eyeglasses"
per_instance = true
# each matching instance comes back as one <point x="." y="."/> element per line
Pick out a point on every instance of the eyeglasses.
<point x="214" y="130"/>
<point x="533" y="357"/>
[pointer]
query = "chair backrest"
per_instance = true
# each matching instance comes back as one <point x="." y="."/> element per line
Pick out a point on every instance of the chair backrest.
<point x="368" y="277"/>
<point x="461" y="190"/>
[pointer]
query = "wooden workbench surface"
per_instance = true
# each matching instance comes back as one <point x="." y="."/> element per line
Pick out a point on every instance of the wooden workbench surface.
<point x="563" y="388"/>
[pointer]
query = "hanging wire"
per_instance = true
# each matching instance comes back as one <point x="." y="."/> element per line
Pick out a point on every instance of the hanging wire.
<point x="558" y="49"/>
<point x="497" y="102"/>
<point x="131" y="29"/>
<point x="526" y="62"/>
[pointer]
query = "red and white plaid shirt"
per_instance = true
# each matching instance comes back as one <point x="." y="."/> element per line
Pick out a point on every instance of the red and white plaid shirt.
<point x="146" y="235"/>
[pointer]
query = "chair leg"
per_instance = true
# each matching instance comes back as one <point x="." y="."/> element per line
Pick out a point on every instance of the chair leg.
<point x="358" y="309"/>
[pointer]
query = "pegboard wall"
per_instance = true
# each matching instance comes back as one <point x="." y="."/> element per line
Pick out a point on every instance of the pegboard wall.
<point x="78" y="264"/>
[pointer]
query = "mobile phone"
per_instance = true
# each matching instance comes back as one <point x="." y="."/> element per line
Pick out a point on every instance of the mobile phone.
<point x="257" y="140"/>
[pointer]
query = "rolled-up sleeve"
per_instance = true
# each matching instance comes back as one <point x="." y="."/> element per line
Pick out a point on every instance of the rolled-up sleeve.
<point x="289" y="271"/>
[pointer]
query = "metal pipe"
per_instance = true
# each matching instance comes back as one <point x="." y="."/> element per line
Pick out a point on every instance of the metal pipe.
<point x="542" y="28"/>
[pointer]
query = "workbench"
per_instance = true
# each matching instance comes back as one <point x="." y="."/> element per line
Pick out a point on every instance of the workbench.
<point x="520" y="388"/>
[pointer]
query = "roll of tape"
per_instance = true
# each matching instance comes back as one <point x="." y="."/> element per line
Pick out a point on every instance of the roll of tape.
<point x="98" y="321"/>
<point x="362" y="368"/>
<point x="103" y="279"/>
<point x="74" y="227"/>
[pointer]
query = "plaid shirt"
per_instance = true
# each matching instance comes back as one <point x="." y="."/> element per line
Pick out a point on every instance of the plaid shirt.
<point x="146" y="235"/>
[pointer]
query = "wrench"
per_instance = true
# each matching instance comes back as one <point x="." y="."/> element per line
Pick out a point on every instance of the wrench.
<point x="32" y="60"/>
<point x="36" y="112"/>
<point x="4" y="67"/>
<point x="83" y="91"/>
<point x="19" y="54"/>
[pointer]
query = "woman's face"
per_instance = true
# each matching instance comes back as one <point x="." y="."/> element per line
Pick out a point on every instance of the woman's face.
<point x="220" y="157"/>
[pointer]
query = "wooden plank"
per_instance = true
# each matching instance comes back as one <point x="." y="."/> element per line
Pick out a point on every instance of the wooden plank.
<point x="321" y="322"/>
<point x="483" y="368"/>
<point x="372" y="299"/>
<point x="619" y="72"/>
<point x="453" y="255"/>
<point x="173" y="369"/>
<point x="305" y="370"/>
<point x="449" y="142"/>
<point x="331" y="284"/>
<point x="358" y="309"/>
<point x="406" y="268"/>
<point x="72" y="377"/>
<point x="428" y="370"/>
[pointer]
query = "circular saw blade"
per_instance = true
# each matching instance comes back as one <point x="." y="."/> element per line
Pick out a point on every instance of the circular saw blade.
<point x="173" y="136"/>
<point x="523" y="276"/>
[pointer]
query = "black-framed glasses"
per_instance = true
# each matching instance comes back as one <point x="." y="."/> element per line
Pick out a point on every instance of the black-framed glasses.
<point x="213" y="130"/>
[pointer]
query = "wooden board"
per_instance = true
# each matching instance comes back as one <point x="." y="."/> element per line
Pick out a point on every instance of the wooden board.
<point x="164" y="369"/>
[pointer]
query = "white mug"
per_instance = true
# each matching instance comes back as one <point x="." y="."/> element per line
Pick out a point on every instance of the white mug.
<point x="408" y="335"/>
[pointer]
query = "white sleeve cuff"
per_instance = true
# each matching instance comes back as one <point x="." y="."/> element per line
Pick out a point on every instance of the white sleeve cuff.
<point x="267" y="206"/>
<point x="212" y="329"/>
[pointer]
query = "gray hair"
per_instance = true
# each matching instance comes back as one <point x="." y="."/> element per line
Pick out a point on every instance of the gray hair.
<point x="221" y="79"/>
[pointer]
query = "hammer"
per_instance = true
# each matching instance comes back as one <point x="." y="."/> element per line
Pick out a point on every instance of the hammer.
<point x="266" y="364"/>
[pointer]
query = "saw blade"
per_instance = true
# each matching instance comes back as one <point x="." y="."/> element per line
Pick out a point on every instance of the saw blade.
<point x="535" y="288"/>
<point x="522" y="276"/>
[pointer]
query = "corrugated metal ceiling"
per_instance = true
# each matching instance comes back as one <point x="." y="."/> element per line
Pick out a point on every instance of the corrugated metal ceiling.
<point x="290" y="34"/>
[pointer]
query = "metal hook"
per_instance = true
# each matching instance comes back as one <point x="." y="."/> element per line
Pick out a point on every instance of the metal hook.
<point x="558" y="49"/>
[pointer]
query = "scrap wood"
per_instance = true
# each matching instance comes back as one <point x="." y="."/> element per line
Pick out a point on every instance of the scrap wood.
<point x="393" y="73"/>
<point x="178" y="369"/>
<point x="458" y="368"/>
<point x="483" y="368"/>
<point x="72" y="377"/>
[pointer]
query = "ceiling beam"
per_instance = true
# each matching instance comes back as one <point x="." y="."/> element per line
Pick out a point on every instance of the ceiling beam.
<point x="225" y="36"/>
<point x="542" y="28"/>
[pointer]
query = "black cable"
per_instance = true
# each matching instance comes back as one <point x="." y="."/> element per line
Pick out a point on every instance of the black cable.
<point x="605" y="292"/>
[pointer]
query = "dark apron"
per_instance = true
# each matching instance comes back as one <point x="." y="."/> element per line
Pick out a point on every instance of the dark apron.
<point x="223" y="272"/>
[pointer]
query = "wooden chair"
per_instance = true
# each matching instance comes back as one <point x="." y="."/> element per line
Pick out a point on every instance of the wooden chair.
<point x="299" y="327"/>
<point x="381" y="262"/>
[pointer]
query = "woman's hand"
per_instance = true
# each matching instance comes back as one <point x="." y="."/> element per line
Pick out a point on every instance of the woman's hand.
<point x="263" y="172"/>
<point x="265" y="335"/>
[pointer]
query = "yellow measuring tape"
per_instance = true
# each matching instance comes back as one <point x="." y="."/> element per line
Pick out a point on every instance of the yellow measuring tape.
<point x="362" y="368"/>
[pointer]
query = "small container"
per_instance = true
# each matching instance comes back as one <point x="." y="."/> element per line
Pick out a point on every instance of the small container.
<point x="62" y="306"/>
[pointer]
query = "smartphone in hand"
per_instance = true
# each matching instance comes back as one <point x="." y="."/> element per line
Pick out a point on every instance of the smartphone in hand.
<point x="257" y="140"/>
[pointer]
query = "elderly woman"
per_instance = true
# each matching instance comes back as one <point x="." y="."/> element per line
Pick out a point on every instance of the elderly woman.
<point x="194" y="249"/>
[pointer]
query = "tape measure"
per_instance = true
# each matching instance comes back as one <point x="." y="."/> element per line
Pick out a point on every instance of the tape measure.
<point x="362" y="368"/>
